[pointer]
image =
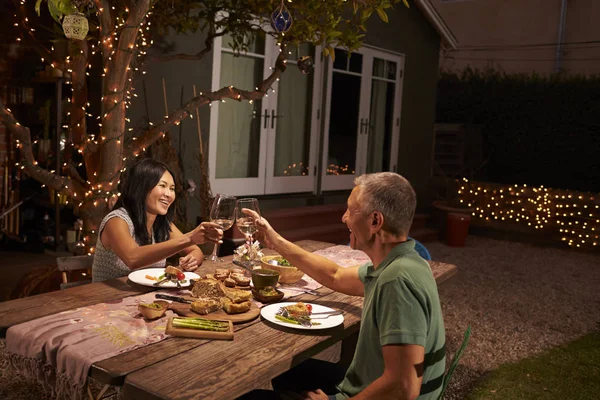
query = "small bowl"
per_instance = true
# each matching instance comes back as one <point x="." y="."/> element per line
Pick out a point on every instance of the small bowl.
<point x="264" y="277"/>
<point x="267" y="299"/>
<point x="151" y="313"/>
<point x="287" y="274"/>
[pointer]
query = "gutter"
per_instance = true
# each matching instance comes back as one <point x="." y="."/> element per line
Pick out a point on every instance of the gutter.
<point x="561" y="36"/>
<point x="438" y="23"/>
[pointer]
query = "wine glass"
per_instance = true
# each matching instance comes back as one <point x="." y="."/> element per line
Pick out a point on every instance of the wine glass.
<point x="222" y="213"/>
<point x="244" y="222"/>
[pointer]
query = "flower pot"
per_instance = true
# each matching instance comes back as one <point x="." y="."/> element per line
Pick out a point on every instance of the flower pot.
<point x="457" y="229"/>
<point x="439" y="217"/>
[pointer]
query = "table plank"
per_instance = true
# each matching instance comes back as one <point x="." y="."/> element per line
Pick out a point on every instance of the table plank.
<point x="229" y="369"/>
<point x="113" y="370"/>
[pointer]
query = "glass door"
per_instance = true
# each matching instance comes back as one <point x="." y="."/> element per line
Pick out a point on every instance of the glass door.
<point x="237" y="149"/>
<point x="382" y="135"/>
<point x="293" y="127"/>
<point x="363" y="116"/>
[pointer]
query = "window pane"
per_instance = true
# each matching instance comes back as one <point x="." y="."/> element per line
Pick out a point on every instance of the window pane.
<point x="238" y="133"/>
<point x="391" y="70"/>
<point x="343" y="124"/>
<point x="256" y="47"/>
<point x="356" y="62"/>
<point x="341" y="60"/>
<point x="380" y="126"/>
<point x="294" y="103"/>
<point x="378" y="67"/>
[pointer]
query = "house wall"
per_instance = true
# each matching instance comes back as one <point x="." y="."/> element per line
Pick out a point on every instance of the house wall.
<point x="177" y="75"/>
<point x="502" y="31"/>
<point x="407" y="32"/>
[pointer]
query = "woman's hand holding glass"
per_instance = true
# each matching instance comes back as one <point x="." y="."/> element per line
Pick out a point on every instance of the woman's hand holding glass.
<point x="222" y="213"/>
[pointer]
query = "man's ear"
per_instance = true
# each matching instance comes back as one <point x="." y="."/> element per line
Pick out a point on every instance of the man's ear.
<point x="376" y="220"/>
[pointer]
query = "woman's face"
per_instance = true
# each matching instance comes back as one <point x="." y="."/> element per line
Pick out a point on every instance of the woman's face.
<point x="160" y="198"/>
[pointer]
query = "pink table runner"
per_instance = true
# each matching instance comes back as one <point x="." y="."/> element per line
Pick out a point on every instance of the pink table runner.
<point x="59" y="349"/>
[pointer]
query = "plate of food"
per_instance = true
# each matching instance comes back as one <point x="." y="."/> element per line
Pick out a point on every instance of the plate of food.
<point x="169" y="277"/>
<point x="302" y="315"/>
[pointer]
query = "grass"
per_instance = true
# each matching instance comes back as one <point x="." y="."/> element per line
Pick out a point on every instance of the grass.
<point x="568" y="372"/>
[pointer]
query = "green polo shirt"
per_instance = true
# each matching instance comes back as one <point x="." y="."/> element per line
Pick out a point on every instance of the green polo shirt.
<point x="401" y="306"/>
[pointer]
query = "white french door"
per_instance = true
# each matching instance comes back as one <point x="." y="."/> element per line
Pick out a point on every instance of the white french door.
<point x="269" y="145"/>
<point x="362" y="125"/>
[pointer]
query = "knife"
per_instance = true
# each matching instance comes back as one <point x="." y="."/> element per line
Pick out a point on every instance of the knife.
<point x="169" y="297"/>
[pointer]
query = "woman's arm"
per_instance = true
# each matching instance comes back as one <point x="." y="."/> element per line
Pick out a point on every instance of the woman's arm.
<point x="192" y="255"/>
<point x="116" y="237"/>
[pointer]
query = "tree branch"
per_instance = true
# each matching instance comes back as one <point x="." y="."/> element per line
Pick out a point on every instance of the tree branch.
<point x="136" y="145"/>
<point x="27" y="162"/>
<point x="208" y="45"/>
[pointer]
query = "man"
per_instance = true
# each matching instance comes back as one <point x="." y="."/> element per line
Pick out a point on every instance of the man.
<point x="400" y="352"/>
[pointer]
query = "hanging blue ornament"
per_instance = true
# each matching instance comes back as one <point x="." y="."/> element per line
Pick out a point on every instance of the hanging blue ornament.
<point x="306" y="64"/>
<point x="281" y="19"/>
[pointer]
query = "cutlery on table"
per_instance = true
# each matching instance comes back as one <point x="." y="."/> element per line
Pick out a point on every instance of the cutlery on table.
<point x="307" y="291"/>
<point x="173" y="298"/>
<point x="161" y="281"/>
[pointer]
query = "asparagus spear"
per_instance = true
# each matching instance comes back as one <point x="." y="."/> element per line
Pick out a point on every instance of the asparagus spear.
<point x="201" y="323"/>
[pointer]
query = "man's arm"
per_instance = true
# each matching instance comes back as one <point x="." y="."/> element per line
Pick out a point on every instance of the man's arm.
<point x="402" y="376"/>
<point x="324" y="271"/>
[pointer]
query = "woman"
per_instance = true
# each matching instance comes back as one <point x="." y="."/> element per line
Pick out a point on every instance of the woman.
<point x="139" y="232"/>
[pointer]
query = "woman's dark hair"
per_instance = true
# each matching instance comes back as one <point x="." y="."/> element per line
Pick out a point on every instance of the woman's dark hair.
<point x="136" y="183"/>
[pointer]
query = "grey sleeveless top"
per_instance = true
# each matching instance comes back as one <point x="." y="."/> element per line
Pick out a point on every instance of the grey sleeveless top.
<point x="107" y="265"/>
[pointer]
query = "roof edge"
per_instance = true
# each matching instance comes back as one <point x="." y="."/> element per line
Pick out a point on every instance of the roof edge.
<point x="438" y="23"/>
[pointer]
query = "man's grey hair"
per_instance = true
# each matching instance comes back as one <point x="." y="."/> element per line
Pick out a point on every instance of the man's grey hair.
<point x="391" y="195"/>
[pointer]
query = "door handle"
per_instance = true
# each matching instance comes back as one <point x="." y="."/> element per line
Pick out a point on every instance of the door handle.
<point x="364" y="122"/>
<point x="274" y="117"/>
<point x="266" y="118"/>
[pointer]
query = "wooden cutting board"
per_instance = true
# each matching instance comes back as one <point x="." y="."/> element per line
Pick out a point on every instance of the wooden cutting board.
<point x="196" y="333"/>
<point x="184" y="310"/>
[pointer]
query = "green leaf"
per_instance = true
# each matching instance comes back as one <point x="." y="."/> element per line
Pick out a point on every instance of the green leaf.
<point x="38" y="3"/>
<point x="335" y="34"/>
<point x="54" y="11"/>
<point x="382" y="14"/>
<point x="405" y="2"/>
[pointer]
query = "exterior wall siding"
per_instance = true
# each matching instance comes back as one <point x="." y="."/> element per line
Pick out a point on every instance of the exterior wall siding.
<point x="495" y="27"/>
<point x="407" y="32"/>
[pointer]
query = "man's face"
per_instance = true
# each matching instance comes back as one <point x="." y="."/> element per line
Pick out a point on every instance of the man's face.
<point x="357" y="222"/>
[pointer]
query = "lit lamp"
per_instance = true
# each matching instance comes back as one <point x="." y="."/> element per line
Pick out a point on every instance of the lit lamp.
<point x="75" y="26"/>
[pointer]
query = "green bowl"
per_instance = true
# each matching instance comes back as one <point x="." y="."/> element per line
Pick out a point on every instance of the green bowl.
<point x="264" y="277"/>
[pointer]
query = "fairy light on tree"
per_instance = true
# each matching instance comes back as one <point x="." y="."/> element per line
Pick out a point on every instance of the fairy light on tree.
<point x="100" y="146"/>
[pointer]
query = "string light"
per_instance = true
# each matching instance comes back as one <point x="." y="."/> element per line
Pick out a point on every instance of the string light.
<point x="555" y="211"/>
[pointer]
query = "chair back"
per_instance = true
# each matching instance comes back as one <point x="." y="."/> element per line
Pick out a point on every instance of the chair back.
<point x="455" y="361"/>
<point x="421" y="249"/>
<point x="74" y="263"/>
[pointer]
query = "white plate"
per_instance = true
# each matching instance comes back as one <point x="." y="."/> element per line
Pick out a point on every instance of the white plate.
<point x="268" y="313"/>
<point x="139" y="277"/>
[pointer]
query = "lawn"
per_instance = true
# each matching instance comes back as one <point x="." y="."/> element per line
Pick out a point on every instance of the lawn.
<point x="569" y="372"/>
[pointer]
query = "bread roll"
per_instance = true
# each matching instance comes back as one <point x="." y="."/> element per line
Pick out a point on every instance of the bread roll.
<point x="236" y="308"/>
<point x="172" y="270"/>
<point x="241" y="280"/>
<point x="205" y="306"/>
<point x="229" y="282"/>
<point x="237" y="295"/>
<point x="210" y="288"/>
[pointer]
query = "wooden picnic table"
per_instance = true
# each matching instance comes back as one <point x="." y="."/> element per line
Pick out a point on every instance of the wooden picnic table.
<point x="191" y="368"/>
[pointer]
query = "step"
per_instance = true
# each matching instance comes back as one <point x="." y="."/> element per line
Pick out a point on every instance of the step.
<point x="425" y="235"/>
<point x="290" y="219"/>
